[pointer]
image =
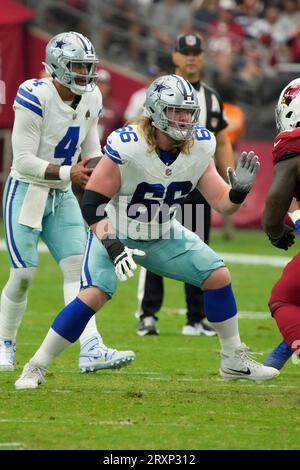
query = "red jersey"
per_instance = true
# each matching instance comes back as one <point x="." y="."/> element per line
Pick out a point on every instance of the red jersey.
<point x="287" y="142"/>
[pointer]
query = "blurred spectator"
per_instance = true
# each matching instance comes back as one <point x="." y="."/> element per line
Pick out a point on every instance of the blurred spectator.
<point x="111" y="117"/>
<point x="225" y="31"/>
<point x="265" y="29"/>
<point x="250" y="75"/>
<point x="204" y="12"/>
<point x="222" y="76"/>
<point x="290" y="22"/>
<point x="295" y="44"/>
<point x="66" y="18"/>
<point x="121" y="27"/>
<point x="169" y="17"/>
<point x="136" y="103"/>
<point x="248" y="12"/>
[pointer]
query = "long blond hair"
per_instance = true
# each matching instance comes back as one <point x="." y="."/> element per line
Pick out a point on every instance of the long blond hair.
<point x="148" y="130"/>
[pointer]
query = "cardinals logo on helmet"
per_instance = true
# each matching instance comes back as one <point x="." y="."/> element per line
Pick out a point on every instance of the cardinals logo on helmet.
<point x="290" y="93"/>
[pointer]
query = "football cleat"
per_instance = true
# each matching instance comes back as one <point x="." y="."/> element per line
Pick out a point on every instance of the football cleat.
<point x="31" y="377"/>
<point x="7" y="354"/>
<point x="147" y="326"/>
<point x="278" y="356"/>
<point x="95" y="356"/>
<point x="198" y="329"/>
<point x="240" y="365"/>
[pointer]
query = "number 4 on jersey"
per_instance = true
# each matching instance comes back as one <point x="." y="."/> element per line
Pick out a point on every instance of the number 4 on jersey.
<point x="66" y="148"/>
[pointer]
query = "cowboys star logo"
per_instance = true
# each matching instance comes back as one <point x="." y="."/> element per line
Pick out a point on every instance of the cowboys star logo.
<point x="159" y="87"/>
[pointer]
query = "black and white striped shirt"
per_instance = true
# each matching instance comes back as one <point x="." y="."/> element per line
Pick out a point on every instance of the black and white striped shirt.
<point x="211" y="108"/>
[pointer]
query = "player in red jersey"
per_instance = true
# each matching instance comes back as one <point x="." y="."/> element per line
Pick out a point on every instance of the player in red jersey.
<point x="283" y="196"/>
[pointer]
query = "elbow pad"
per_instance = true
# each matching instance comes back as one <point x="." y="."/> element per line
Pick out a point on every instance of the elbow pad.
<point x="93" y="206"/>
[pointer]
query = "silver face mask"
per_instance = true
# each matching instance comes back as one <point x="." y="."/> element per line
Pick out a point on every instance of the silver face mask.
<point x="168" y="98"/>
<point x="66" y="50"/>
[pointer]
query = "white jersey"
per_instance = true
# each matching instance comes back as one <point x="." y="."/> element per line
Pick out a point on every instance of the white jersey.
<point x="48" y="130"/>
<point x="149" y="187"/>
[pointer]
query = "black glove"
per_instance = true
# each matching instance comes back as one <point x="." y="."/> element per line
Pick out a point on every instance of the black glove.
<point x="286" y="240"/>
<point x="122" y="257"/>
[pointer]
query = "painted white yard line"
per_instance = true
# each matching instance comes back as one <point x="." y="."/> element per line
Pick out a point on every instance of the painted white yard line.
<point x="248" y="315"/>
<point x="254" y="315"/>
<point x="11" y="444"/>
<point x="236" y="258"/>
<point x="258" y="260"/>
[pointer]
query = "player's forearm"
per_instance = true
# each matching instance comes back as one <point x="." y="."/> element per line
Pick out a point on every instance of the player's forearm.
<point x="224" y="157"/>
<point x="216" y="191"/>
<point x="57" y="172"/>
<point x="224" y="205"/>
<point x="104" y="229"/>
<point x="273" y="219"/>
<point x="29" y="165"/>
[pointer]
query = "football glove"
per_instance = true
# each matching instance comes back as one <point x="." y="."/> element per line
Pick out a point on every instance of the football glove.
<point x="124" y="264"/>
<point x="241" y="179"/>
<point x="122" y="257"/>
<point x="286" y="240"/>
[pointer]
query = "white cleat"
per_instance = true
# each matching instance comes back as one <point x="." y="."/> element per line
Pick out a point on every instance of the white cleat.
<point x="31" y="377"/>
<point x="198" y="329"/>
<point x="95" y="356"/>
<point x="147" y="326"/>
<point x="7" y="354"/>
<point x="241" y="366"/>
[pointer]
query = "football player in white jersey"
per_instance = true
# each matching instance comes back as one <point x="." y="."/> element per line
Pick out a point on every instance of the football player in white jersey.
<point x="147" y="170"/>
<point x="55" y="120"/>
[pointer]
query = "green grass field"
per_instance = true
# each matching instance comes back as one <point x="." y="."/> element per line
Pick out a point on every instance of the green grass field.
<point x="171" y="397"/>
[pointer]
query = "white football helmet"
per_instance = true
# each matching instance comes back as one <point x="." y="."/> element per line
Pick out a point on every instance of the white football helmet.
<point x="287" y="111"/>
<point x="62" y="52"/>
<point x="165" y="96"/>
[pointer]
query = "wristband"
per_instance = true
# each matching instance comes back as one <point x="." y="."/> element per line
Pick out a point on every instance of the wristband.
<point x="295" y="217"/>
<point x="237" y="197"/>
<point x="114" y="247"/>
<point x="65" y="173"/>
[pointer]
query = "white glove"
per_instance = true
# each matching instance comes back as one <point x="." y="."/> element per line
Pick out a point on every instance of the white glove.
<point x="124" y="264"/>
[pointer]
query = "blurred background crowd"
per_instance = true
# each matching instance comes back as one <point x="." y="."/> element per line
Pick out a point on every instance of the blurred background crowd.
<point x="252" y="47"/>
<point x="251" y="51"/>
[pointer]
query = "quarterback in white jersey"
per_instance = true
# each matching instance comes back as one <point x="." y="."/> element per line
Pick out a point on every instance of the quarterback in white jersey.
<point x="48" y="129"/>
<point x="157" y="161"/>
<point x="55" y="120"/>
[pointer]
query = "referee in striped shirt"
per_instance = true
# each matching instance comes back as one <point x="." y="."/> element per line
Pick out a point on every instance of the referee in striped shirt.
<point x="188" y="60"/>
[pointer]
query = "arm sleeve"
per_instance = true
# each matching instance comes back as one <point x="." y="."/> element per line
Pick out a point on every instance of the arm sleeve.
<point x="25" y="143"/>
<point x="91" y="146"/>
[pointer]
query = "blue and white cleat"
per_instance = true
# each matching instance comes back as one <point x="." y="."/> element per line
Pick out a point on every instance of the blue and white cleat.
<point x="7" y="354"/>
<point x="94" y="355"/>
<point x="279" y="356"/>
